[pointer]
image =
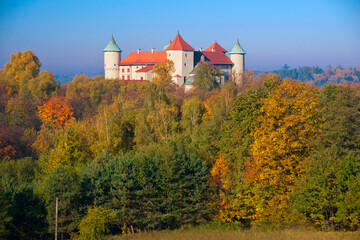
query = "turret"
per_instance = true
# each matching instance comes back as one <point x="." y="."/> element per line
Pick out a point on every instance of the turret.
<point x="237" y="56"/>
<point x="182" y="54"/>
<point x="112" y="58"/>
<point x="167" y="45"/>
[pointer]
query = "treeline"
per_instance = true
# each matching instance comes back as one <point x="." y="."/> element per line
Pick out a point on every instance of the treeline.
<point x="319" y="77"/>
<point x="124" y="157"/>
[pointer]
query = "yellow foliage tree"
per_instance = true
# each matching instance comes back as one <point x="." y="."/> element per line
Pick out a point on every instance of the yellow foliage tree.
<point x="290" y="119"/>
<point x="163" y="73"/>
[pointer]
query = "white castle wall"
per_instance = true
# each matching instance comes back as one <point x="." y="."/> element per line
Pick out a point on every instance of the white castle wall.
<point x="183" y="63"/>
<point x="239" y="63"/>
<point x="111" y="65"/>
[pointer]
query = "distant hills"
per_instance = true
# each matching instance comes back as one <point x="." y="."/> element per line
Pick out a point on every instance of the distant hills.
<point x="68" y="78"/>
<point x="319" y="77"/>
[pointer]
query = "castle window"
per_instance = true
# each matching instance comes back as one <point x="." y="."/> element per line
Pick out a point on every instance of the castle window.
<point x="184" y="64"/>
<point x="142" y="78"/>
<point x="123" y="77"/>
<point x="128" y="69"/>
<point x="128" y="77"/>
<point x="114" y="65"/>
<point x="123" y="70"/>
<point x="169" y="55"/>
<point x="185" y="54"/>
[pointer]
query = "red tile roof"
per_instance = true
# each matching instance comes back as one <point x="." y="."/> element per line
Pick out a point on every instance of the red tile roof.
<point x="217" y="58"/>
<point x="144" y="58"/>
<point x="217" y="48"/>
<point x="180" y="44"/>
<point x="177" y="75"/>
<point x="146" y="68"/>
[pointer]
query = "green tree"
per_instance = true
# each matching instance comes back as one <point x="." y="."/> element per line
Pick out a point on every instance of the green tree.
<point x="95" y="224"/>
<point x="22" y="213"/>
<point x="335" y="164"/>
<point x="207" y="76"/>
<point x="64" y="184"/>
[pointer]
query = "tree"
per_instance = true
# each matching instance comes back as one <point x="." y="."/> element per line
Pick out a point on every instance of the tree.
<point x="56" y="113"/>
<point x="96" y="223"/>
<point x="21" y="68"/>
<point x="324" y="195"/>
<point x="207" y="76"/>
<point x="163" y="72"/>
<point x="22" y="213"/>
<point x="192" y="112"/>
<point x="281" y="148"/>
<point x="64" y="184"/>
<point x="43" y="86"/>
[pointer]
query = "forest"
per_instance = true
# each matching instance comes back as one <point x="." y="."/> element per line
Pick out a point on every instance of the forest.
<point x="128" y="156"/>
<point x="317" y="76"/>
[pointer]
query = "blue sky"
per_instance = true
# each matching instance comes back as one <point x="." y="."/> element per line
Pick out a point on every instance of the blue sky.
<point x="69" y="36"/>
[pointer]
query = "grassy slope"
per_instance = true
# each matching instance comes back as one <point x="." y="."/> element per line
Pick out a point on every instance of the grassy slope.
<point x="219" y="234"/>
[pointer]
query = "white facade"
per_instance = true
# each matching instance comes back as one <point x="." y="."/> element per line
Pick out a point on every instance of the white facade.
<point x="184" y="61"/>
<point x="111" y="64"/>
<point x="239" y="63"/>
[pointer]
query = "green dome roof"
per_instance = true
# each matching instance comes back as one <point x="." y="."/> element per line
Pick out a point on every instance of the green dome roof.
<point x="167" y="45"/>
<point x="112" y="46"/>
<point x="237" y="49"/>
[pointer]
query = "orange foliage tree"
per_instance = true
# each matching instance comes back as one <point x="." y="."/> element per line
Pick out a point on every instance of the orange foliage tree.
<point x="289" y="120"/>
<point x="56" y="112"/>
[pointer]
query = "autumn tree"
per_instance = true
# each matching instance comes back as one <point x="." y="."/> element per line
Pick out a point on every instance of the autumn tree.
<point x="289" y="119"/>
<point x="21" y="68"/>
<point x="56" y="113"/>
<point x="163" y="72"/>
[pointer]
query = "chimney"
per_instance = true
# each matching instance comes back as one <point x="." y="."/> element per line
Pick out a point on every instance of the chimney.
<point x="152" y="50"/>
<point x="200" y="49"/>
<point x="139" y="50"/>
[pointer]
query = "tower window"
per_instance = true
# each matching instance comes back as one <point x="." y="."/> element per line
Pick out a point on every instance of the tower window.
<point x="184" y="64"/>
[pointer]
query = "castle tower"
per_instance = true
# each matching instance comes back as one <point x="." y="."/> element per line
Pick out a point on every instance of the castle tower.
<point x="237" y="56"/>
<point x="182" y="54"/>
<point x="112" y="57"/>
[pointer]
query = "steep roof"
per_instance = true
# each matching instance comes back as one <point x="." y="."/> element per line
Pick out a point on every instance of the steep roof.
<point x="237" y="48"/>
<point x="146" y="68"/>
<point x="217" y="48"/>
<point x="216" y="58"/>
<point x="135" y="58"/>
<point x="180" y="44"/>
<point x="112" y="46"/>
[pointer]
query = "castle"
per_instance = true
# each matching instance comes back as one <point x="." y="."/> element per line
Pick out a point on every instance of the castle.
<point x="138" y="65"/>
